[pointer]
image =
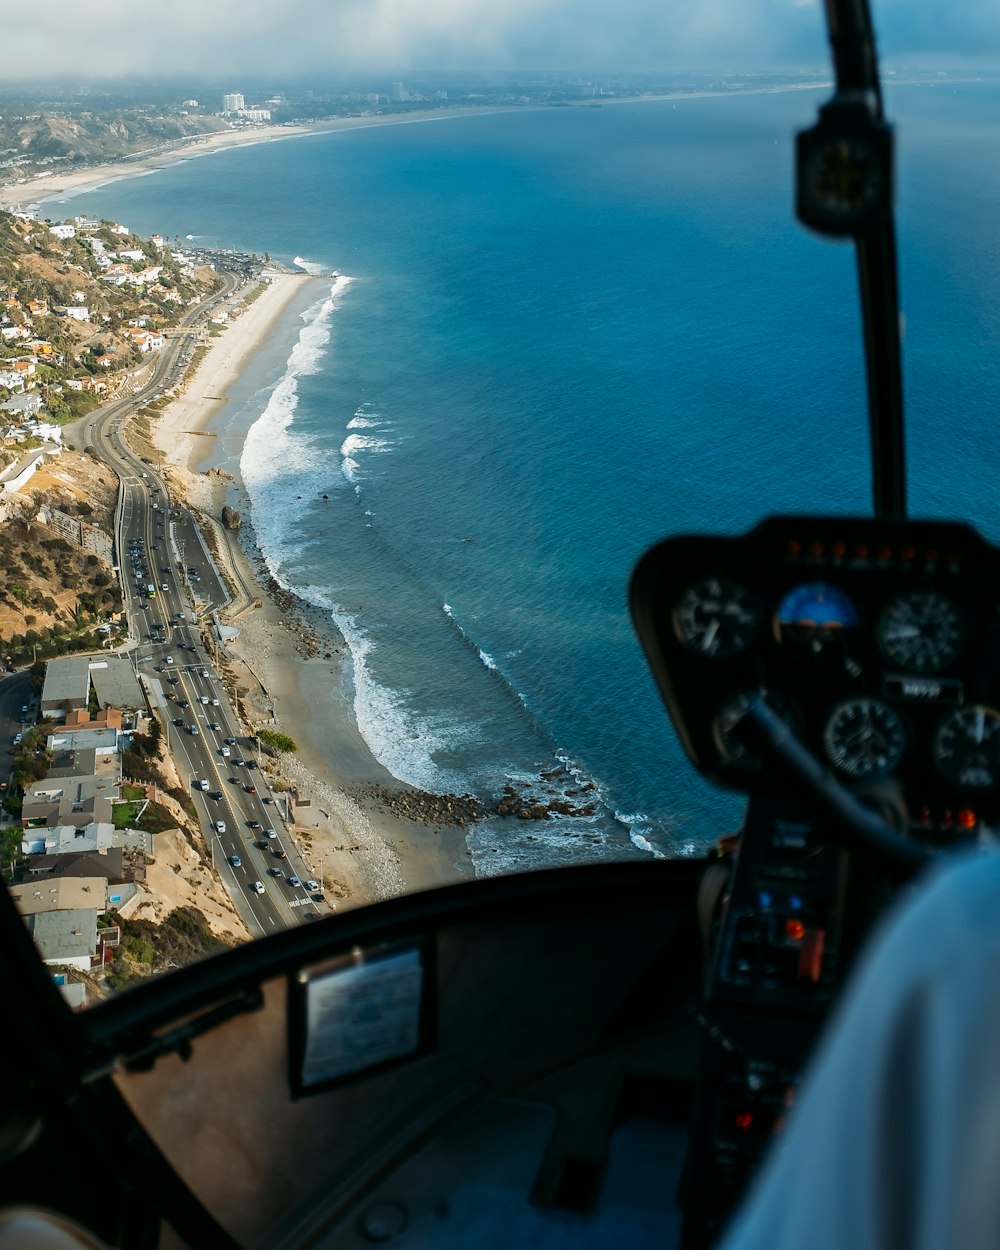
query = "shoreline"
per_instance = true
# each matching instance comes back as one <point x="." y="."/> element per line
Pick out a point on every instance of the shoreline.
<point x="289" y="664"/>
<point x="42" y="188"/>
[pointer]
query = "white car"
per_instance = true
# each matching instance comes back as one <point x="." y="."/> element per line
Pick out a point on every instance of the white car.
<point x="220" y="826"/>
<point x="169" y="659"/>
<point x="294" y="881"/>
<point x="312" y="885"/>
<point x="269" y="833"/>
<point x="258" y="887"/>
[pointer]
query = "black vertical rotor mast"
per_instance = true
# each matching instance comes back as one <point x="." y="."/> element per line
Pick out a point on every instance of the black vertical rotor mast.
<point x="844" y="189"/>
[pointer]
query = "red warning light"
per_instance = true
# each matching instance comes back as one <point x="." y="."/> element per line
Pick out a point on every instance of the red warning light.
<point x="795" y="929"/>
<point x="839" y="550"/>
<point x="815" y="549"/>
<point x="966" y="818"/>
<point x="744" y="1120"/>
<point x="861" y="551"/>
<point x="794" y="547"/>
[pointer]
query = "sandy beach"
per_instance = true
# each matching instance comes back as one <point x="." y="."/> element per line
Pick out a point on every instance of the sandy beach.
<point x="287" y="662"/>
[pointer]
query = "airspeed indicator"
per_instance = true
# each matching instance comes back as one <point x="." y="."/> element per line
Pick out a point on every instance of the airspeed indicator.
<point x="715" y="617"/>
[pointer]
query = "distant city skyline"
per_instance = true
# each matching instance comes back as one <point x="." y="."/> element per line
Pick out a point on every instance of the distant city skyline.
<point x="396" y="38"/>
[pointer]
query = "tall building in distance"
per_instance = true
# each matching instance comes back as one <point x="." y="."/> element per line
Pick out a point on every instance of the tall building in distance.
<point x="399" y="93"/>
<point x="233" y="102"/>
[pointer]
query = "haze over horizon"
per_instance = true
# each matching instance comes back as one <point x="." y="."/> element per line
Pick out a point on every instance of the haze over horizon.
<point x="104" y="40"/>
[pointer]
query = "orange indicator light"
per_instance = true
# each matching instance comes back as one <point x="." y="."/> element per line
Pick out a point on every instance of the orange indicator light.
<point x="967" y="818"/>
<point x="795" y="929"/>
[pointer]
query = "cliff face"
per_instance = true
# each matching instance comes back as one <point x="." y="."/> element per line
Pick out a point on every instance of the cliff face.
<point x="52" y="586"/>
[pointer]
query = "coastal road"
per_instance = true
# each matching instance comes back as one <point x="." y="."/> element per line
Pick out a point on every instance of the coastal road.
<point x="162" y="561"/>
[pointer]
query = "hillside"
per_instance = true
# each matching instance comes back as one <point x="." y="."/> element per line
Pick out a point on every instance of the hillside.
<point x="41" y="140"/>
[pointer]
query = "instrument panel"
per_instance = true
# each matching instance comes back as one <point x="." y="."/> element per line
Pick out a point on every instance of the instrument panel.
<point x="876" y="642"/>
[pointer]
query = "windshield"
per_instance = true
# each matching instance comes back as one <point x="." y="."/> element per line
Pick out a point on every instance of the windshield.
<point x="377" y="518"/>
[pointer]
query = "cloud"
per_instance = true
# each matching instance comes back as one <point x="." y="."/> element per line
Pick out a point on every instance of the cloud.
<point x="108" y="38"/>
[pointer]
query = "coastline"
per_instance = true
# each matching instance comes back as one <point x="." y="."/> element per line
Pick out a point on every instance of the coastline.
<point x="58" y="185"/>
<point x="288" y="662"/>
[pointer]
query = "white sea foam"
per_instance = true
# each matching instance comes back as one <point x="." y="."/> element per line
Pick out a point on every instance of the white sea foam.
<point x="637" y="824"/>
<point x="311" y="266"/>
<point x="402" y="741"/>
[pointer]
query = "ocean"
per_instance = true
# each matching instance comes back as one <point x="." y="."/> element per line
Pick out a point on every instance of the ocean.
<point x="553" y="338"/>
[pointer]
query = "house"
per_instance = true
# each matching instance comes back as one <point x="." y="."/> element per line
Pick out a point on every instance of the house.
<point x="38" y="308"/>
<point x="10" y="380"/>
<point x="78" y="312"/>
<point x="65" y="231"/>
<point x="62" y="893"/>
<point x="62" y="839"/>
<point x="65" y="937"/>
<point x="27" y="404"/>
<point x="106" y="361"/>
<point x="66" y="687"/>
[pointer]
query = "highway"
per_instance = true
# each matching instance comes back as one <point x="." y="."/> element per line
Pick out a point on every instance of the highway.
<point x="168" y="584"/>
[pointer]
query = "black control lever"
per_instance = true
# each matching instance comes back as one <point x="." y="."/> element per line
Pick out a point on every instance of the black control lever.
<point x="849" y="821"/>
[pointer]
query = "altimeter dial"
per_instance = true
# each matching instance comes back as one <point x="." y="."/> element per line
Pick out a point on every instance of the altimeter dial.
<point x="967" y="747"/>
<point x="922" y="632"/>
<point x="864" y="737"/>
<point x="715" y="617"/>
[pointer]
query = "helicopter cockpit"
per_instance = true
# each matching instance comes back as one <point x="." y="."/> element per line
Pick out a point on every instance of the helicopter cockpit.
<point x="476" y="1065"/>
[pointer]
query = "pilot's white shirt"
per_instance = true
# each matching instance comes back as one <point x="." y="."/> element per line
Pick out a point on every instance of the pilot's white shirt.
<point x="895" y="1139"/>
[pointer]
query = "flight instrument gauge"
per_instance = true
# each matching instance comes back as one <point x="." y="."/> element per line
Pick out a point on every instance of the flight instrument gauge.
<point x="922" y="632"/>
<point x="715" y="617"/>
<point x="967" y="747"/>
<point x="864" y="737"/>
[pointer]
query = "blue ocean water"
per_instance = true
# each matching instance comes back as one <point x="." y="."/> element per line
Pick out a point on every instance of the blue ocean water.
<point x="554" y="338"/>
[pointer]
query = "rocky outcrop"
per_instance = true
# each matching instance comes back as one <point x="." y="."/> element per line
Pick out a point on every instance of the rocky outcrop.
<point x="231" y="519"/>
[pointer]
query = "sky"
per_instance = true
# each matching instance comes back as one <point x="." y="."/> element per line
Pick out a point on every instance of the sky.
<point x="213" y="38"/>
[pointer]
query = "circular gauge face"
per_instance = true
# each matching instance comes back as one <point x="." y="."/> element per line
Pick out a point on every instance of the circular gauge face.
<point x="844" y="180"/>
<point x="967" y="747"/>
<point x="921" y="632"/>
<point x="864" y="737"/>
<point x="715" y="617"/>
<point x="728" y="742"/>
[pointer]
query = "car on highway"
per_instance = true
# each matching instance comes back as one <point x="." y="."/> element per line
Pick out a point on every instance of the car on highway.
<point x="239" y="760"/>
<point x="183" y="703"/>
<point x="251" y="763"/>
<point x="253" y="824"/>
<point x="236" y="861"/>
<point x="258" y="887"/>
<point x="276" y="872"/>
<point x="220" y="826"/>
<point x="204" y="672"/>
<point x="294" y="881"/>
<point x="261" y="844"/>
<point x="230" y="742"/>
<point x="266" y="798"/>
<point x="178" y="720"/>
<point x="278" y="853"/>
<point x="214" y="726"/>
<point x="250" y="789"/>
<point x="169" y="659"/>
<point x="215" y="794"/>
<point x="312" y="885"/>
<point x="269" y="833"/>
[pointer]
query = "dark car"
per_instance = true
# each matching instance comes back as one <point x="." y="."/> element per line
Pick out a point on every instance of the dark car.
<point x="261" y="844"/>
<point x="251" y="764"/>
<point x="183" y="703"/>
<point x="178" y="720"/>
<point x="253" y="824"/>
<point x="234" y="781"/>
<point x="278" y="853"/>
<point x="216" y="794"/>
<point x="250" y="789"/>
<point x="230" y="742"/>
